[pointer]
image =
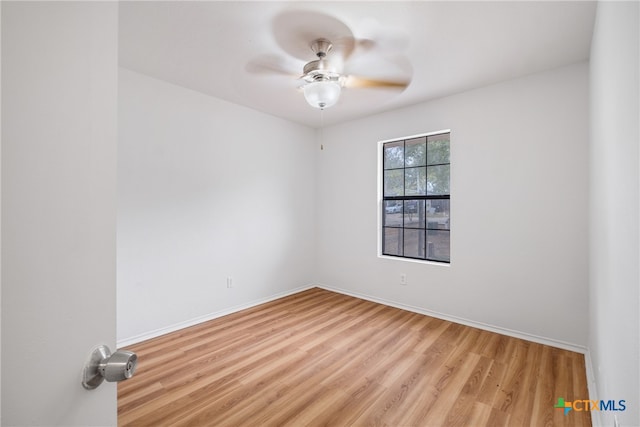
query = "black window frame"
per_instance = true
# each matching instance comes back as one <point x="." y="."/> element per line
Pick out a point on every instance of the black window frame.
<point x="403" y="199"/>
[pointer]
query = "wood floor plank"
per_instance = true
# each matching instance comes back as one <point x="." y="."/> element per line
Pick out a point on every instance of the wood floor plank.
<point x="322" y="358"/>
<point x="479" y="416"/>
<point x="543" y="399"/>
<point x="461" y="411"/>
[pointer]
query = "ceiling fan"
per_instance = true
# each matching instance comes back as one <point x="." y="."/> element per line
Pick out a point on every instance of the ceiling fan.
<point x="323" y="81"/>
<point x="323" y="78"/>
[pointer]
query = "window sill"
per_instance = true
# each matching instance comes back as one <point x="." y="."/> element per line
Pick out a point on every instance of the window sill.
<point x="418" y="261"/>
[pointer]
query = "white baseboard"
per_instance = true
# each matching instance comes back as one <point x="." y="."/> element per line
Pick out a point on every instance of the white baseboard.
<point x="205" y="318"/>
<point x="504" y="331"/>
<point x="596" y="418"/>
<point x="491" y="328"/>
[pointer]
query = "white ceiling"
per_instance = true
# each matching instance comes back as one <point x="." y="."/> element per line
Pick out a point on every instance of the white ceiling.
<point x="446" y="47"/>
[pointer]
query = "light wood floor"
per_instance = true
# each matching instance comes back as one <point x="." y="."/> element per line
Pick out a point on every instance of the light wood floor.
<point x="322" y="358"/>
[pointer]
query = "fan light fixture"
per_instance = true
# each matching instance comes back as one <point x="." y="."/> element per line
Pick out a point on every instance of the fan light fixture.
<point x="322" y="89"/>
<point x="322" y="94"/>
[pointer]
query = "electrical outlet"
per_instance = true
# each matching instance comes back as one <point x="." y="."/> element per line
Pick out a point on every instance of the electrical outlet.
<point x="403" y="279"/>
<point x="229" y="282"/>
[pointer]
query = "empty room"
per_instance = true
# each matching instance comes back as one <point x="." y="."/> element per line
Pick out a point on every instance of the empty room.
<point x="320" y="213"/>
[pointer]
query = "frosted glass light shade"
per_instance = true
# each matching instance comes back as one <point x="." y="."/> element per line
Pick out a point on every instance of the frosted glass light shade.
<point x="322" y="94"/>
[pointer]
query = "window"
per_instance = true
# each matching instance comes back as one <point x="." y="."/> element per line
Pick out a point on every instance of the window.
<point x="415" y="198"/>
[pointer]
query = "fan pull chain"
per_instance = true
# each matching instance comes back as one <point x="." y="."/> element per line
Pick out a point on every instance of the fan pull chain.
<point x="321" y="129"/>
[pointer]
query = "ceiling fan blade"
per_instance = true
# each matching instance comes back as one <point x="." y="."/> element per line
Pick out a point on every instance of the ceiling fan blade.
<point x="386" y="38"/>
<point x="295" y="30"/>
<point x="360" y="82"/>
<point x="270" y="65"/>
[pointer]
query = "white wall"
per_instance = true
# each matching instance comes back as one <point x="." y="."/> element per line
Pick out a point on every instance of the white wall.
<point x="614" y="198"/>
<point x="0" y="217"/>
<point x="207" y="190"/>
<point x="519" y="175"/>
<point x="59" y="139"/>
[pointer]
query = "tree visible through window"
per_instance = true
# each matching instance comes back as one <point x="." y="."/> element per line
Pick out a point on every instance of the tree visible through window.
<point x="415" y="191"/>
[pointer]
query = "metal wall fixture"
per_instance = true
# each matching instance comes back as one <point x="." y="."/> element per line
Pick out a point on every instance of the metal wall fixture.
<point x="103" y="365"/>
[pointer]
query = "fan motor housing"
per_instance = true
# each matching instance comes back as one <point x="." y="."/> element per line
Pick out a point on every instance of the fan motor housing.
<point x="319" y="66"/>
<point x="320" y="69"/>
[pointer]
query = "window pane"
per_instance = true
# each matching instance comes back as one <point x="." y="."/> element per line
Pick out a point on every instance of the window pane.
<point x="415" y="152"/>
<point x="414" y="243"/>
<point x="438" y="214"/>
<point x="438" y="149"/>
<point x="438" y="245"/>
<point x="392" y="213"/>
<point x="392" y="241"/>
<point x="394" y="155"/>
<point x="416" y="217"/>
<point x="414" y="213"/>
<point x="415" y="180"/>
<point x="438" y="180"/>
<point x="394" y="183"/>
